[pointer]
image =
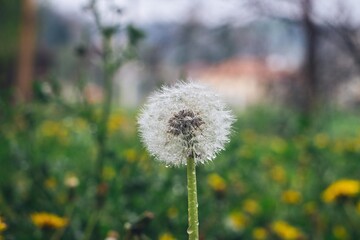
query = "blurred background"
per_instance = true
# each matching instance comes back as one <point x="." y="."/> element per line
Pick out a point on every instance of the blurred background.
<point x="74" y="74"/>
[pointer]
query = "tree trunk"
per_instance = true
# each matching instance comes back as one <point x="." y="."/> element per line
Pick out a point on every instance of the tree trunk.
<point x="23" y="85"/>
<point x="310" y="78"/>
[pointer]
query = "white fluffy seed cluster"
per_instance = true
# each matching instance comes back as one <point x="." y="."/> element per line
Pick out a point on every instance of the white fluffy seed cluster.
<point x="186" y="120"/>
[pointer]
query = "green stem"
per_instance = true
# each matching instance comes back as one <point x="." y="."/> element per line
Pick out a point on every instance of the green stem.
<point x="106" y="109"/>
<point x="91" y="225"/>
<point x="193" y="229"/>
<point x="102" y="134"/>
<point x="58" y="234"/>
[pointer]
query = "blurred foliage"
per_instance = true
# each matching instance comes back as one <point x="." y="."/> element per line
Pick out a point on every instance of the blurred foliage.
<point x="9" y="39"/>
<point x="270" y="183"/>
<point x="9" y="25"/>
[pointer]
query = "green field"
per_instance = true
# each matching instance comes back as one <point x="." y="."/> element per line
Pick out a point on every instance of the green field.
<point x="273" y="181"/>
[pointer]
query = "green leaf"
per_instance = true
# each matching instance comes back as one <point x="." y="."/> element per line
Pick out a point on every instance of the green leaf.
<point x="134" y="34"/>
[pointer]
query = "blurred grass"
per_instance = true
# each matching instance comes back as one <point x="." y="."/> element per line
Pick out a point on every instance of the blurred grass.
<point x="268" y="184"/>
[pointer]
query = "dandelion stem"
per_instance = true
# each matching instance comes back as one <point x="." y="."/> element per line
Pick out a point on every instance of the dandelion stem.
<point x="106" y="110"/>
<point x="58" y="234"/>
<point x="91" y="225"/>
<point x="193" y="229"/>
<point x="102" y="131"/>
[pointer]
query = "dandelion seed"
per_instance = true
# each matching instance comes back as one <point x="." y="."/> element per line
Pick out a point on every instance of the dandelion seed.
<point x="185" y="125"/>
<point x="186" y="120"/>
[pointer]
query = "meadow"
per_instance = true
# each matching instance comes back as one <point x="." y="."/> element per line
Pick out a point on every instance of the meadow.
<point x="273" y="181"/>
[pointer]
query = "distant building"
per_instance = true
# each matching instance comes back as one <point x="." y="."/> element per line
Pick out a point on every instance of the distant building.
<point x="242" y="82"/>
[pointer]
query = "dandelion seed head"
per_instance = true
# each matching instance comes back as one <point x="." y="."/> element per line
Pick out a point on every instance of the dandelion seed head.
<point x="182" y="121"/>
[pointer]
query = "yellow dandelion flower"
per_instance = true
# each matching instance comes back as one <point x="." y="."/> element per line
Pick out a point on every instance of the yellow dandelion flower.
<point x="357" y="143"/>
<point x="351" y="145"/>
<point x="236" y="221"/>
<point x="278" y="145"/>
<point x="259" y="233"/>
<point x="321" y="140"/>
<point x="56" y="130"/>
<point x="339" y="146"/>
<point x="108" y="173"/>
<point x="216" y="182"/>
<point x="3" y="225"/>
<point x="286" y="231"/>
<point x="251" y="206"/>
<point x="340" y="232"/>
<point x="291" y="197"/>
<point x="167" y="236"/>
<point x="130" y="155"/>
<point x="277" y="173"/>
<point x="50" y="183"/>
<point x="172" y="212"/>
<point x="341" y="188"/>
<point x="48" y="220"/>
<point x="115" y="122"/>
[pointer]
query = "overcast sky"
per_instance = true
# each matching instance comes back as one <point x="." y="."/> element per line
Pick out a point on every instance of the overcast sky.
<point x="208" y="11"/>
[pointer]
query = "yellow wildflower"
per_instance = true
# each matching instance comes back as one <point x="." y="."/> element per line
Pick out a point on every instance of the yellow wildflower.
<point x="56" y="130"/>
<point x="167" y="236"/>
<point x="286" y="231"/>
<point x="259" y="233"/>
<point x="251" y="206"/>
<point x="130" y="155"/>
<point x="340" y="232"/>
<point x="277" y="173"/>
<point x="3" y="225"/>
<point x="291" y="197"/>
<point x="321" y="140"/>
<point x="357" y="143"/>
<point x="50" y="183"/>
<point x="216" y="182"/>
<point x="237" y="221"/>
<point x="115" y="122"/>
<point x="172" y="212"/>
<point x="339" y="146"/>
<point x="48" y="220"/>
<point x="341" y="188"/>
<point x="278" y="145"/>
<point x="108" y="173"/>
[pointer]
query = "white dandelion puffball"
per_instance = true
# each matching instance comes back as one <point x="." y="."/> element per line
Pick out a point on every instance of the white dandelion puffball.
<point x="184" y="121"/>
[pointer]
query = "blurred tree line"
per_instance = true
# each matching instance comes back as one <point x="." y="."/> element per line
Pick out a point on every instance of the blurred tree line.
<point x="331" y="51"/>
<point x="330" y="48"/>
